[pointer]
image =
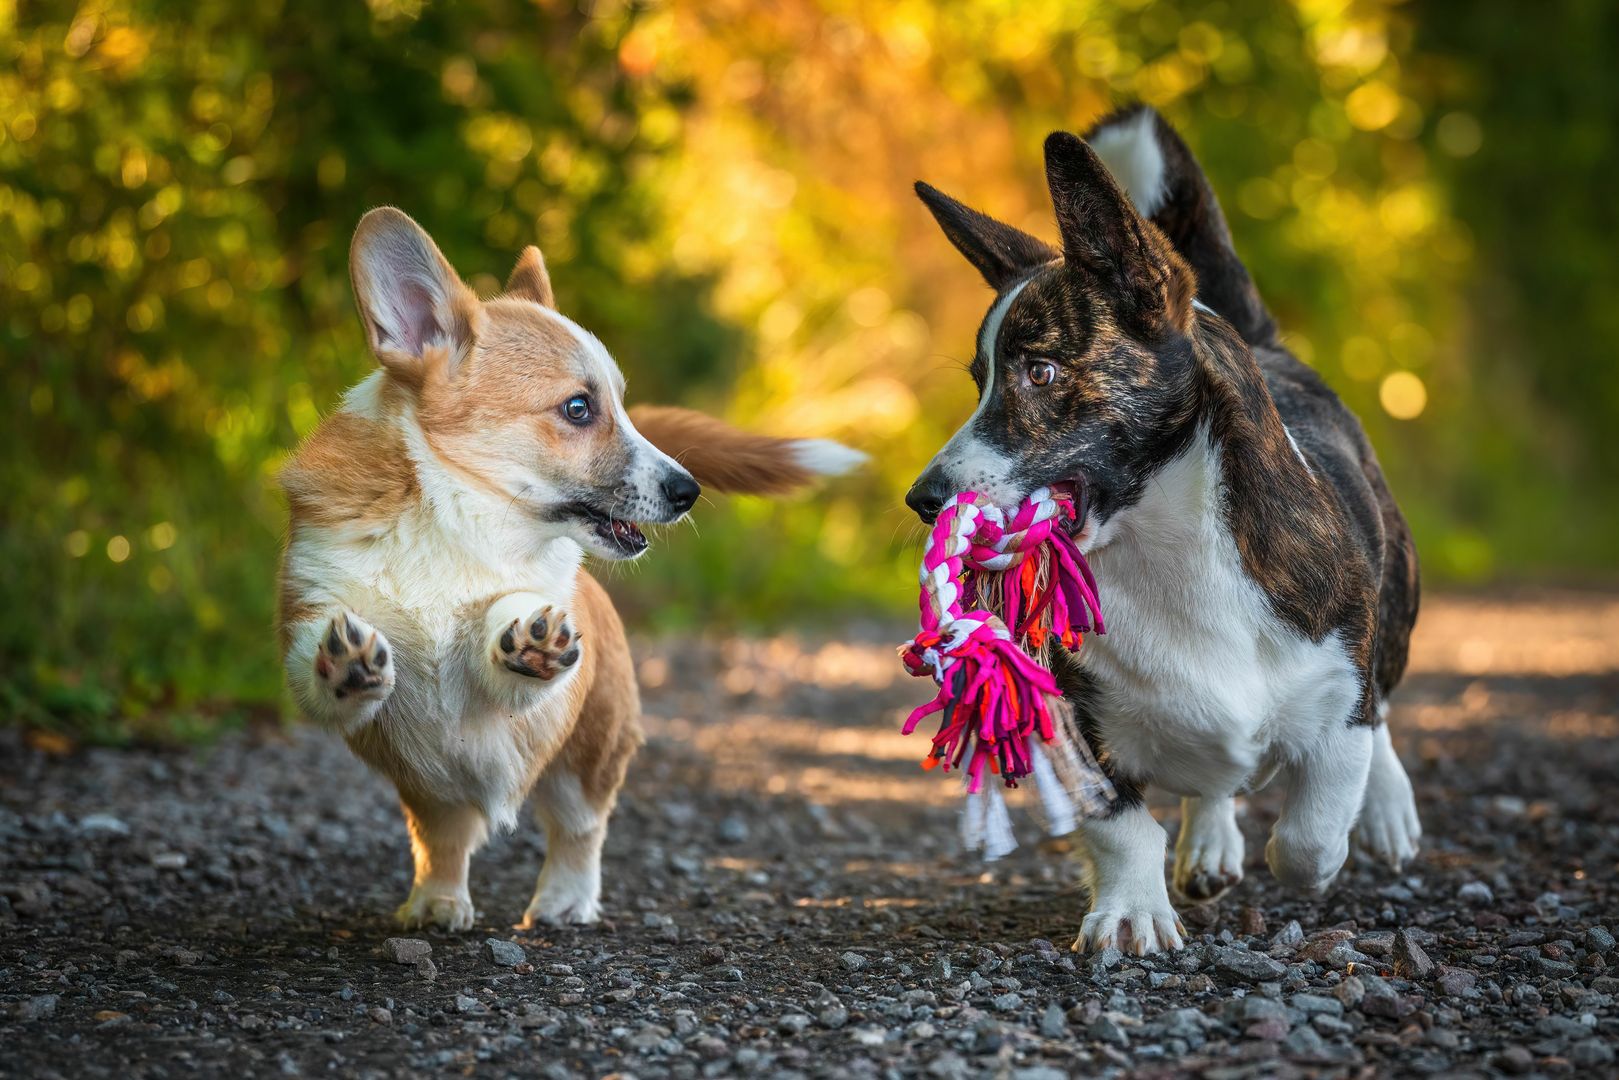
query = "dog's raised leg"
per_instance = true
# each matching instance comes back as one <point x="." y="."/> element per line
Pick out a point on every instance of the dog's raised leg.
<point x="1208" y="853"/>
<point x="526" y="643"/>
<point x="341" y="669"/>
<point x="442" y="840"/>
<point x="1310" y="841"/>
<point x="1130" y="906"/>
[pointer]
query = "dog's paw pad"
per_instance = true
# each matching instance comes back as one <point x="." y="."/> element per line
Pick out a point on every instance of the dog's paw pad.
<point x="353" y="659"/>
<point x="541" y="646"/>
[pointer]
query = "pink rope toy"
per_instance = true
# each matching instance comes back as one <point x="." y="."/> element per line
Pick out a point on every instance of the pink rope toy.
<point x="994" y="696"/>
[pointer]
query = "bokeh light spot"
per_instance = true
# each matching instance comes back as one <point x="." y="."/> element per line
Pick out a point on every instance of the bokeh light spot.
<point x="1403" y="395"/>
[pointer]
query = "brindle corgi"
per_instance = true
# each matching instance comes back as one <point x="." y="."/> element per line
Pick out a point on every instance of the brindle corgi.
<point x="1259" y="582"/>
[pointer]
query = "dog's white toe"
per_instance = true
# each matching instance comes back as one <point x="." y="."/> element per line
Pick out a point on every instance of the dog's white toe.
<point x="565" y="897"/>
<point x="426" y="906"/>
<point x="1131" y="927"/>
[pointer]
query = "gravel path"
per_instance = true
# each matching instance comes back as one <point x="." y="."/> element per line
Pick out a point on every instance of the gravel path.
<point x="785" y="898"/>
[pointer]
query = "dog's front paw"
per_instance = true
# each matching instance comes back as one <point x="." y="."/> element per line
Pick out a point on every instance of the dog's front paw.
<point x="1132" y="924"/>
<point x="564" y="897"/>
<point x="541" y="646"/>
<point x="1307" y="862"/>
<point x="353" y="661"/>
<point x="444" y="908"/>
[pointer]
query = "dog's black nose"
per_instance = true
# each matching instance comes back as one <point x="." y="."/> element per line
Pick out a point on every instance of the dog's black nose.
<point x="927" y="497"/>
<point x="681" y="491"/>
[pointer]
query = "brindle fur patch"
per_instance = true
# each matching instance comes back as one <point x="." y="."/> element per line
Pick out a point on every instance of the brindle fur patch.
<point x="1141" y="372"/>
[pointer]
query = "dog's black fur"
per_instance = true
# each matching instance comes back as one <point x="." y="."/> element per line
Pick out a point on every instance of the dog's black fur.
<point x="1143" y="368"/>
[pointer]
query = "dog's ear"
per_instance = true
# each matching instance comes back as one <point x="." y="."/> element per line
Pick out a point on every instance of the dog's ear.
<point x="1105" y="238"/>
<point x="1001" y="253"/>
<point x="530" y="280"/>
<point x="414" y="306"/>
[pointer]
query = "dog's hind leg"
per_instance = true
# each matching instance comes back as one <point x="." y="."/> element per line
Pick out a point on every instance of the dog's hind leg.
<point x="442" y="840"/>
<point x="1208" y="853"/>
<point x="1388" y="829"/>
<point x="576" y="793"/>
<point x="1325" y="786"/>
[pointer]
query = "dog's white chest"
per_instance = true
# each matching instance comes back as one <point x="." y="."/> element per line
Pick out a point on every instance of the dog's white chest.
<point x="428" y="595"/>
<point x="1199" y="682"/>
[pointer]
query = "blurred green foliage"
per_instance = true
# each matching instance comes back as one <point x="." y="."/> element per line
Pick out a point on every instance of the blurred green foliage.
<point x="722" y="191"/>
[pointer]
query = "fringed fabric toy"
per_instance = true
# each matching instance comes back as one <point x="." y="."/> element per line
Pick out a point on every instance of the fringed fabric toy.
<point x="998" y="586"/>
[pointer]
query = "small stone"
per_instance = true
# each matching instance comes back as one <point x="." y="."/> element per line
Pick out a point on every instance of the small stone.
<point x="1515" y="1060"/>
<point x="710" y="1047"/>
<point x="504" y="953"/>
<point x="1599" y="940"/>
<point x="379" y="1015"/>
<point x="1325" y="944"/>
<point x="1108" y="1030"/>
<point x="1410" y="962"/>
<point x="1290" y="936"/>
<point x="1381" y="999"/>
<point x="1252" y="922"/>
<point x="1105" y="959"/>
<point x="1039" y="1072"/>
<point x="852" y="961"/>
<point x="426" y="970"/>
<point x="1272" y="1029"/>
<point x="940" y="968"/>
<point x="169" y="860"/>
<point x="1456" y="982"/>
<point x="1590" y="1053"/>
<point x="404" y="950"/>
<point x="1257" y="1007"/>
<point x="1475" y="894"/>
<point x="733" y="830"/>
<point x="1234" y="965"/>
<point x="1304" y="1043"/>
<point x="103" y="824"/>
<point x="793" y="1024"/>
<point x="1007" y="1002"/>
<point x="1350" y="991"/>
<point x="1316" y="1005"/>
<point x="832" y="1016"/>
<point x="466" y="1004"/>
<point x="39" y="1007"/>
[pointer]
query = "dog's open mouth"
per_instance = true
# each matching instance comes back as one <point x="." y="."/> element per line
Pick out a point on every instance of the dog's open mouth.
<point x="622" y="537"/>
<point x="1075" y="492"/>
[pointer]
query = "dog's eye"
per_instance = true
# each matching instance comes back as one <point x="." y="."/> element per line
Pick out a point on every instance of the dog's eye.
<point x="1042" y="372"/>
<point x="577" y="409"/>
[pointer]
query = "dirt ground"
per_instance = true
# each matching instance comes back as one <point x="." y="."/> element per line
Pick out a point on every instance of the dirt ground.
<point x="785" y="897"/>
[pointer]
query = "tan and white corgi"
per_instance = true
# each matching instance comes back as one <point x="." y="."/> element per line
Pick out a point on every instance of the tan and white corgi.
<point x="434" y="609"/>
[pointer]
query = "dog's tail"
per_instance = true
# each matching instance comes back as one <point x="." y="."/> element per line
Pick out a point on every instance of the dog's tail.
<point x="739" y="462"/>
<point x="1164" y="180"/>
